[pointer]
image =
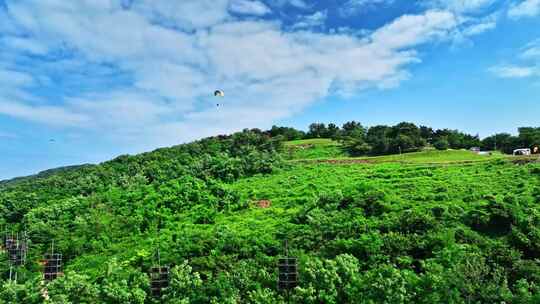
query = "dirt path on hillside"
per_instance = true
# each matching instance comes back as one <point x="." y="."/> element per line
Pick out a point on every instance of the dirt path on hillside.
<point x="404" y="162"/>
<point x="526" y="160"/>
<point x="337" y="161"/>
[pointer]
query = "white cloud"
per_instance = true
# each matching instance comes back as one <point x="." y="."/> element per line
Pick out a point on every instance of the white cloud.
<point x="527" y="8"/>
<point x="353" y="7"/>
<point x="531" y="50"/>
<point x="513" y="71"/>
<point x="50" y="115"/>
<point x="249" y="7"/>
<point x="529" y="60"/>
<point x="14" y="79"/>
<point x="24" y="45"/>
<point x="474" y="17"/>
<point x="120" y="108"/>
<point x="299" y="4"/>
<point x="461" y="6"/>
<point x="318" y="19"/>
<point x="414" y="29"/>
<point x="174" y="61"/>
<point x="480" y="26"/>
<point x="186" y="14"/>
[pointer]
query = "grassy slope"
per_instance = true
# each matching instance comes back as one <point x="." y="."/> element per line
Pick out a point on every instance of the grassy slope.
<point x="410" y="178"/>
<point x="290" y="188"/>
<point x="415" y="184"/>
<point x="434" y="156"/>
<point x="317" y="148"/>
<point x="456" y="188"/>
<point x="313" y="141"/>
<point x="327" y="149"/>
<point x="411" y="184"/>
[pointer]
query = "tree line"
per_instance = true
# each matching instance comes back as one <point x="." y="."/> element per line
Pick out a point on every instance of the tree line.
<point x="408" y="137"/>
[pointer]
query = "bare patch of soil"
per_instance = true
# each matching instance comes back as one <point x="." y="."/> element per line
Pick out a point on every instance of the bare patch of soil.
<point x="264" y="204"/>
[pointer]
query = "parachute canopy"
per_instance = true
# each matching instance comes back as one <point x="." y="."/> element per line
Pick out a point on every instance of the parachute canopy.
<point x="219" y="93"/>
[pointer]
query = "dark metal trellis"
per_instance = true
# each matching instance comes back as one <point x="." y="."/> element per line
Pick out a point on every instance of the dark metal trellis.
<point x="288" y="272"/>
<point x="17" y="253"/>
<point x="52" y="263"/>
<point x="159" y="277"/>
<point x="16" y="249"/>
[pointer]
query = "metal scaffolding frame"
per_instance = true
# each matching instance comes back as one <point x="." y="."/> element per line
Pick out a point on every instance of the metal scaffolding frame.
<point x="159" y="280"/>
<point x="52" y="265"/>
<point x="16" y="248"/>
<point x="287" y="272"/>
<point x="159" y="275"/>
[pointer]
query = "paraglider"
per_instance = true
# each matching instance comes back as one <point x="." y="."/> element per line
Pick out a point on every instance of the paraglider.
<point x="219" y="93"/>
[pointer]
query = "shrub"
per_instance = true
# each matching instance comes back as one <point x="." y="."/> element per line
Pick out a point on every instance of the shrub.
<point x="441" y="144"/>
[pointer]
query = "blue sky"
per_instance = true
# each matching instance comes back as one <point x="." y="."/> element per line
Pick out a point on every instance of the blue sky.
<point x="108" y="77"/>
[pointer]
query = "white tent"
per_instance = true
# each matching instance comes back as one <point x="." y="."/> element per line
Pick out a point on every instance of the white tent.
<point x="522" y="152"/>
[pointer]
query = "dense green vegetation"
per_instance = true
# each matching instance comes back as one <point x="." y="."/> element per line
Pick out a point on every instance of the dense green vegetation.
<point x="409" y="233"/>
<point x="425" y="227"/>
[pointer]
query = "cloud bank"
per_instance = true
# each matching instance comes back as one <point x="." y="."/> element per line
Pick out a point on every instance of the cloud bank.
<point x="144" y="71"/>
<point x="527" y="65"/>
<point x="526" y="8"/>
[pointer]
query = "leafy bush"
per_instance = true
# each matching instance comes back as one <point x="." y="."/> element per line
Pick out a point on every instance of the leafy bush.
<point x="441" y="144"/>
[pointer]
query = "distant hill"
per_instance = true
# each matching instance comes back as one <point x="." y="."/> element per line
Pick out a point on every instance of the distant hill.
<point x="43" y="174"/>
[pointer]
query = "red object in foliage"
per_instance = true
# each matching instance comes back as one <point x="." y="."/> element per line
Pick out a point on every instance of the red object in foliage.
<point x="264" y="204"/>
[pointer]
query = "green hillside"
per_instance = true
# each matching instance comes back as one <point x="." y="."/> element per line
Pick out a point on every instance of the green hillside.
<point x="424" y="227"/>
